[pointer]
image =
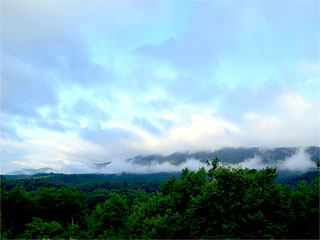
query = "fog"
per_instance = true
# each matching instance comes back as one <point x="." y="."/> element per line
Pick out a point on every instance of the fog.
<point x="121" y="166"/>
<point x="299" y="162"/>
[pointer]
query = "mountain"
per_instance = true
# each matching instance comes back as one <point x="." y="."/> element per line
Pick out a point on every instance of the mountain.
<point x="31" y="171"/>
<point x="261" y="156"/>
<point x="228" y="155"/>
<point x="101" y="165"/>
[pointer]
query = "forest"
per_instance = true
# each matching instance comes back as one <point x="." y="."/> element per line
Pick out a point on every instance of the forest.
<point x="218" y="203"/>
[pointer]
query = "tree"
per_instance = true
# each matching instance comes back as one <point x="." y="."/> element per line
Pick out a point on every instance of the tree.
<point x="66" y="206"/>
<point x="240" y="203"/>
<point x="165" y="215"/>
<point x="109" y="218"/>
<point x="16" y="210"/>
<point x="305" y="204"/>
<point x="223" y="202"/>
<point x="38" y="229"/>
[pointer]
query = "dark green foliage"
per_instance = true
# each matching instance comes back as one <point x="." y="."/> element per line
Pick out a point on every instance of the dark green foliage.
<point x="240" y="203"/>
<point x="226" y="202"/>
<point x="88" y="182"/>
<point x="96" y="197"/>
<point x="163" y="216"/>
<point x="222" y="202"/>
<point x="108" y="218"/>
<point x="16" y="210"/>
<point x="65" y="205"/>
<point x="38" y="229"/>
<point x="306" y="206"/>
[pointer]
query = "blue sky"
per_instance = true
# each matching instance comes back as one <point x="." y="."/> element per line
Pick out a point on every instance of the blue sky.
<point x="85" y="82"/>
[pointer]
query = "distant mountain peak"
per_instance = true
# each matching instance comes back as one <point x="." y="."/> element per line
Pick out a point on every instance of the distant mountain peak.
<point x="101" y="165"/>
<point x="32" y="171"/>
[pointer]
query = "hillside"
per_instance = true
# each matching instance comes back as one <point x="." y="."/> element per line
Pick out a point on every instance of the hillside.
<point x="228" y="155"/>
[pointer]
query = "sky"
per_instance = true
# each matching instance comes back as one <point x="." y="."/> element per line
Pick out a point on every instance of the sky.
<point x="86" y="82"/>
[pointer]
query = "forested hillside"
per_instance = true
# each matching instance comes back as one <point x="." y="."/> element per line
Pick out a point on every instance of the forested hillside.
<point x="223" y="202"/>
<point x="229" y="155"/>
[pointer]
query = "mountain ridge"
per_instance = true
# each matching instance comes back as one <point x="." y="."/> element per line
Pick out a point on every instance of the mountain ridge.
<point x="227" y="155"/>
<point x="32" y="171"/>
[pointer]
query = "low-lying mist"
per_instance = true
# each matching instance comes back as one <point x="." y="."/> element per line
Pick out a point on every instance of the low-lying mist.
<point x="298" y="162"/>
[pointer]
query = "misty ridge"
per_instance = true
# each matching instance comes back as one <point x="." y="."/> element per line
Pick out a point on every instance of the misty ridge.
<point x="292" y="159"/>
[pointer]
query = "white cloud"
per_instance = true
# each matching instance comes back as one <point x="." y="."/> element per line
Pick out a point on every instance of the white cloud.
<point x="253" y="163"/>
<point x="299" y="162"/>
<point x="199" y="131"/>
<point x="293" y="104"/>
<point x="154" y="167"/>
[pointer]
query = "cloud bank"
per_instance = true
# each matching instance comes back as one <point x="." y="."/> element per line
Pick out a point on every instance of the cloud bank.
<point x="90" y="82"/>
<point x="299" y="162"/>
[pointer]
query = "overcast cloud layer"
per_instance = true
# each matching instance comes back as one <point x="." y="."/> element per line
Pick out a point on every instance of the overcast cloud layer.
<point x="89" y="82"/>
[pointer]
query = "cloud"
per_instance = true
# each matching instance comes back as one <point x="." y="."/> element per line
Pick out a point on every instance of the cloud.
<point x="24" y="88"/>
<point x="202" y="131"/>
<point x="10" y="152"/>
<point x="199" y="44"/>
<point x="51" y="125"/>
<point x="144" y="124"/>
<point x="119" y="79"/>
<point x="7" y="131"/>
<point x="46" y="38"/>
<point x="243" y="31"/>
<point x="293" y="104"/>
<point x="190" y="133"/>
<point x="154" y="167"/>
<point x="105" y="135"/>
<point x="298" y="162"/>
<point x="253" y="163"/>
